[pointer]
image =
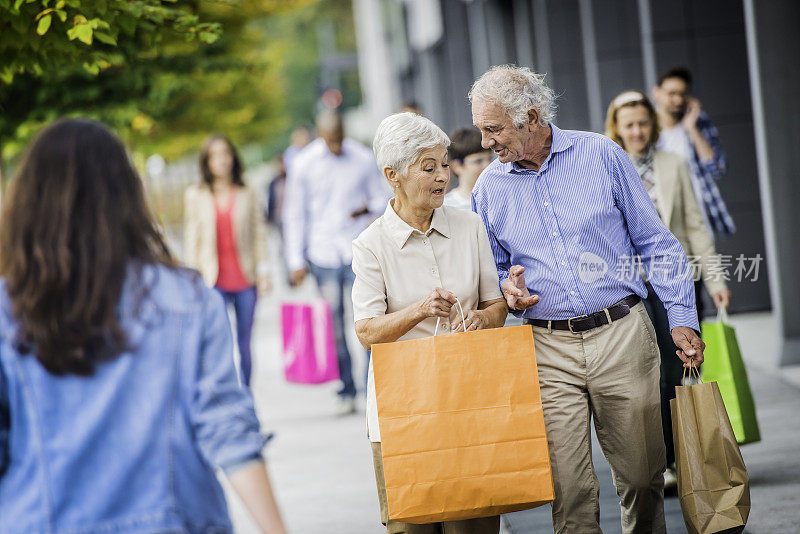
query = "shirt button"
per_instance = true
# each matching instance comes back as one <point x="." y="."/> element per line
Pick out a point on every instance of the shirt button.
<point x="546" y="204"/>
<point x="425" y="241"/>
<point x="433" y="271"/>
<point x="563" y="262"/>
<point x="572" y="292"/>
<point x="555" y="234"/>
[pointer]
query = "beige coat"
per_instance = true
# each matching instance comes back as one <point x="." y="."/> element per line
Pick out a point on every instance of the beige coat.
<point x="200" y="233"/>
<point x="681" y="215"/>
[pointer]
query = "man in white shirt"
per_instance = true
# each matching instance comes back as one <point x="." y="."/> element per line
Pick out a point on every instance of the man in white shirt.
<point x="333" y="192"/>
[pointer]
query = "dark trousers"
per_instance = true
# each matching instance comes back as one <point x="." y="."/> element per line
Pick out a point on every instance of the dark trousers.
<point x="336" y="286"/>
<point x="671" y="365"/>
<point x="244" y="307"/>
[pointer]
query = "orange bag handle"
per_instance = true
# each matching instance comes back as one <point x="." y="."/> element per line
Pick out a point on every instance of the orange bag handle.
<point x="463" y="321"/>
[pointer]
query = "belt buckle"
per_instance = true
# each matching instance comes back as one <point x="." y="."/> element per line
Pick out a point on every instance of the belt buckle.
<point x="569" y="322"/>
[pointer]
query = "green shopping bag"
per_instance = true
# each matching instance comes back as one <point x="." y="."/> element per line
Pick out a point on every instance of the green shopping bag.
<point x="723" y="364"/>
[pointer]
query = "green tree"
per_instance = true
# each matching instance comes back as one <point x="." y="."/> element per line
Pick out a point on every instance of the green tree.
<point x="39" y="36"/>
<point x="254" y="83"/>
<point x="41" y="40"/>
<point x="164" y="88"/>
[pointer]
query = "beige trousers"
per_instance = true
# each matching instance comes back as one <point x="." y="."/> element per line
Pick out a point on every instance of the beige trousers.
<point x="611" y="374"/>
<point x="481" y="525"/>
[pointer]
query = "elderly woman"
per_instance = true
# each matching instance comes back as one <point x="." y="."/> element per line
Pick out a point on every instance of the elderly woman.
<point x="632" y="122"/>
<point x="412" y="264"/>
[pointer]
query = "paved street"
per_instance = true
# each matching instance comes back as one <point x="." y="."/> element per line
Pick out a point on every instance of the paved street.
<point x="322" y="469"/>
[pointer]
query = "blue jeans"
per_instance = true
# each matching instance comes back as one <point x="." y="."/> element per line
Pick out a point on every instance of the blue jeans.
<point x="336" y="286"/>
<point x="244" y="306"/>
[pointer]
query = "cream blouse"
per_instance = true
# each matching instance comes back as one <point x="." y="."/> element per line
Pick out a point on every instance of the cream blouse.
<point x="396" y="265"/>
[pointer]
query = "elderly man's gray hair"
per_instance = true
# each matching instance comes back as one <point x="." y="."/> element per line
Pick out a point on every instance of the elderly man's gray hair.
<point x="516" y="89"/>
<point x="401" y="137"/>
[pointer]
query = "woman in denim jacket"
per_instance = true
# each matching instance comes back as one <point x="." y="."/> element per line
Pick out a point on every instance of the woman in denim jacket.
<point x="118" y="393"/>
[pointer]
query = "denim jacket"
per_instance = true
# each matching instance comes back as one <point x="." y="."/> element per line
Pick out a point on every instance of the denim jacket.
<point x="133" y="447"/>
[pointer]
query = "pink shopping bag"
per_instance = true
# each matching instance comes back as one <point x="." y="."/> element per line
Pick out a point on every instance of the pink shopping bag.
<point x="309" y="348"/>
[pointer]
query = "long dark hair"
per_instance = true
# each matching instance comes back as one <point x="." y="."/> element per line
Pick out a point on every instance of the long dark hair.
<point x="74" y="220"/>
<point x="208" y="176"/>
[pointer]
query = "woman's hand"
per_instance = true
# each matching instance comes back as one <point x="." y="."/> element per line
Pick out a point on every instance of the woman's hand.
<point x="437" y="304"/>
<point x="473" y="320"/>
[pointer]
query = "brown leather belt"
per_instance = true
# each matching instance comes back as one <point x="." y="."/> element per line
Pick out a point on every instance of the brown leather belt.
<point x="582" y="323"/>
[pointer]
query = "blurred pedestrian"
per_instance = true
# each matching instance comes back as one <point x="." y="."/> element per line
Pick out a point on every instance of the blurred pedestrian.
<point x="276" y="192"/>
<point x="568" y="209"/>
<point x="687" y="131"/>
<point x="412" y="263"/>
<point x="298" y="139"/>
<point x="632" y="122"/>
<point x="225" y="238"/>
<point x="118" y="393"/>
<point x="333" y="192"/>
<point x="467" y="160"/>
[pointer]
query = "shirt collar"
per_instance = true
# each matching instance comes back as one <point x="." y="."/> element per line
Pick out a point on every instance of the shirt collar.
<point x="400" y="231"/>
<point x="561" y="142"/>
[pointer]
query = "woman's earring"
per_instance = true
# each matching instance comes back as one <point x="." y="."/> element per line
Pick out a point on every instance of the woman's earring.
<point x="397" y="186"/>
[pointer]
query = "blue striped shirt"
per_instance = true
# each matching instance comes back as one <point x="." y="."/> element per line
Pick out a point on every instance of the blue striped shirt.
<point x="582" y="225"/>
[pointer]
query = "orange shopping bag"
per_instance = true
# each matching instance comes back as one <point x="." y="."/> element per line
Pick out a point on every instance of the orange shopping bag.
<point x="462" y="430"/>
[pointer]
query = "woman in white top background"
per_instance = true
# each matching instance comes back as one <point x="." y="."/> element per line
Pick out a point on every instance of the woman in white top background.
<point x="412" y="263"/>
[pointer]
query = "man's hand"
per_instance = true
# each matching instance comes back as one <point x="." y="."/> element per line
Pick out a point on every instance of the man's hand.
<point x="690" y="345"/>
<point x="298" y="276"/>
<point x="689" y="120"/>
<point x="473" y="320"/>
<point x="437" y="304"/>
<point x="722" y="298"/>
<point x="514" y="290"/>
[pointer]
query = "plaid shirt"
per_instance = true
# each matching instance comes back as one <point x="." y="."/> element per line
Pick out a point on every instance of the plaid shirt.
<point x="707" y="173"/>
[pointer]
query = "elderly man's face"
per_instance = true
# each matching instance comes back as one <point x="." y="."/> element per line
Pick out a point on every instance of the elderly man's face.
<point x="498" y="132"/>
<point x="425" y="183"/>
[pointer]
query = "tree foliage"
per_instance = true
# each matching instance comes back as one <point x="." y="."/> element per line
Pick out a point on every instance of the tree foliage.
<point x="166" y="92"/>
<point x="164" y="87"/>
<point x="39" y="36"/>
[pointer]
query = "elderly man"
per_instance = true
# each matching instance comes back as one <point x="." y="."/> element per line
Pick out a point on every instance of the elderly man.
<point x="569" y="220"/>
<point x="333" y="192"/>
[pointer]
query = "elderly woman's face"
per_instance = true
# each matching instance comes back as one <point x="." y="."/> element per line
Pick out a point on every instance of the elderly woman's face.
<point x="425" y="183"/>
<point x="498" y="132"/>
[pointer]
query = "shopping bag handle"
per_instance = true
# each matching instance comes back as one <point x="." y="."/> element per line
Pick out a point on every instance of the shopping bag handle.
<point x="692" y="371"/>
<point x="463" y="321"/>
<point x="722" y="315"/>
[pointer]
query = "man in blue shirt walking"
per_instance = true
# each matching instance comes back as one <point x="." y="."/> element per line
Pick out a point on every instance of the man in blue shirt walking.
<point x="571" y="228"/>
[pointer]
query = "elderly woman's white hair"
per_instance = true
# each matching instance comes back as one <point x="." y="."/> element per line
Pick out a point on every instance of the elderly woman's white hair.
<point x="516" y="89"/>
<point x="401" y="137"/>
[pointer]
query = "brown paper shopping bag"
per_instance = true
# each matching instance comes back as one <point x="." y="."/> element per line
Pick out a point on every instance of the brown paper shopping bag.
<point x="462" y="430"/>
<point x="713" y="485"/>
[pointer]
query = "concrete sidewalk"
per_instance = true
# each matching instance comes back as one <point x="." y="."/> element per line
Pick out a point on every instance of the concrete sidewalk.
<point x="322" y="469"/>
